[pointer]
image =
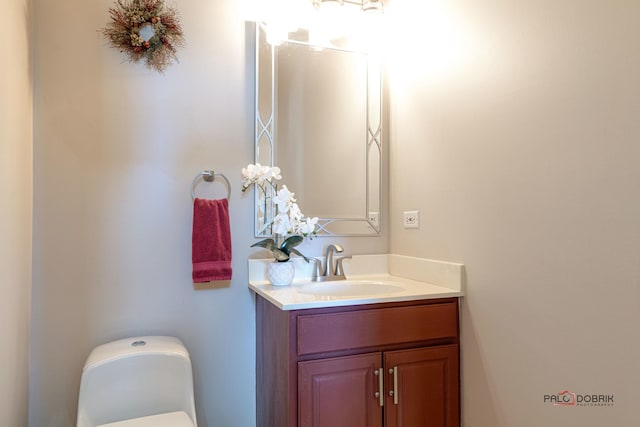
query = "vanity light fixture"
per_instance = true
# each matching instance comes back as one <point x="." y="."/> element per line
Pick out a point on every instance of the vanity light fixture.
<point x="336" y="18"/>
<point x="320" y="4"/>
<point x="372" y="6"/>
<point x="365" y="5"/>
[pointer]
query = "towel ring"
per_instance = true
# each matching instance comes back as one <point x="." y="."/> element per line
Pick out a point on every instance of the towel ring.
<point x="209" y="176"/>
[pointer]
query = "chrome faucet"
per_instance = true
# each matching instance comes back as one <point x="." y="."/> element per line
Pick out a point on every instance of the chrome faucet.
<point x="331" y="270"/>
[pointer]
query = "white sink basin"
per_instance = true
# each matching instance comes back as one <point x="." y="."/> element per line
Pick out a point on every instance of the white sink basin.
<point x="347" y="288"/>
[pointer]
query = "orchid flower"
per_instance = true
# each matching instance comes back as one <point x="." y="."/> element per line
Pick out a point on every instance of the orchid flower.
<point x="288" y="220"/>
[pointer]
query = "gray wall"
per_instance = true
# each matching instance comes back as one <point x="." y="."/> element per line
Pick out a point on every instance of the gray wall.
<point x="116" y="148"/>
<point x="16" y="145"/>
<point x="515" y="133"/>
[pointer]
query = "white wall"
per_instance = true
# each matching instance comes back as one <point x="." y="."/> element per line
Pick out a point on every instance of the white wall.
<point x="16" y="146"/>
<point x="116" y="148"/>
<point x="515" y="133"/>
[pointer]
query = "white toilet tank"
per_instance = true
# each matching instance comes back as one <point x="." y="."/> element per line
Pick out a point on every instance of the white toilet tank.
<point x="132" y="380"/>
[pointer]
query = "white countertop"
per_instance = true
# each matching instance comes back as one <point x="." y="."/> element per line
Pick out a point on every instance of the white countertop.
<point x="414" y="279"/>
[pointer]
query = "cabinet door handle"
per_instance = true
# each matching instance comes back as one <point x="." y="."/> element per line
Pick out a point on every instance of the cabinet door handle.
<point x="380" y="394"/>
<point x="394" y="371"/>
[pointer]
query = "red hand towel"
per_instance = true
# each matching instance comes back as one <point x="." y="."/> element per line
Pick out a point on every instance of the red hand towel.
<point x="211" y="240"/>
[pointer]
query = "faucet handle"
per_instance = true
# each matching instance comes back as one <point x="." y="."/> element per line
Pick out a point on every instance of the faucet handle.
<point x="316" y="269"/>
<point x="339" y="266"/>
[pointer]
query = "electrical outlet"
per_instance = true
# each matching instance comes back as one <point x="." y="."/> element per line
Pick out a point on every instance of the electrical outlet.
<point x="411" y="219"/>
<point x="374" y="218"/>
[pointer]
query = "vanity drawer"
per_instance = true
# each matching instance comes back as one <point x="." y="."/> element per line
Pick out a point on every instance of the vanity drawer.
<point x="318" y="333"/>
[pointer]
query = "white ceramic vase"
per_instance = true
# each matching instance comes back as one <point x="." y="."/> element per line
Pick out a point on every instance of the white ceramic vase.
<point x="281" y="273"/>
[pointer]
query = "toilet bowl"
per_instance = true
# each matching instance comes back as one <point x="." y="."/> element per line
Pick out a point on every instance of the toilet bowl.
<point x="137" y="382"/>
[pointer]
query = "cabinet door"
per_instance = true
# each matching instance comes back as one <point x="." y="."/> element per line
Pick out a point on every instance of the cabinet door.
<point x="422" y="387"/>
<point x="340" y="392"/>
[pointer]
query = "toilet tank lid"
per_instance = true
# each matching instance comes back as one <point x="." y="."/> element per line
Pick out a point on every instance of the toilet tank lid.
<point x="135" y="346"/>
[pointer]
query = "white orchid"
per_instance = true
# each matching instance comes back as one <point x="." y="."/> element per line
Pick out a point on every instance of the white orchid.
<point x="281" y="224"/>
<point x="295" y="214"/>
<point x="259" y="175"/>
<point x="308" y="226"/>
<point x="289" y="219"/>
<point x="284" y="199"/>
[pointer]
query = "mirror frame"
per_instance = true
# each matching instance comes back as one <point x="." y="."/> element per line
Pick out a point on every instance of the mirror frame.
<point x="265" y="139"/>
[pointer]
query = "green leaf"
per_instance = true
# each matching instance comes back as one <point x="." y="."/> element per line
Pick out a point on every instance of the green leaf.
<point x="297" y="252"/>
<point x="268" y="244"/>
<point x="280" y="255"/>
<point x="290" y="243"/>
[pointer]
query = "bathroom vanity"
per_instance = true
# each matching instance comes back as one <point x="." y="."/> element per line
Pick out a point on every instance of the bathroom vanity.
<point x="379" y="348"/>
<point x="375" y="359"/>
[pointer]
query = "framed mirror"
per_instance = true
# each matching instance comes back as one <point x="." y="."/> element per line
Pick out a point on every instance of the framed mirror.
<point x="318" y="118"/>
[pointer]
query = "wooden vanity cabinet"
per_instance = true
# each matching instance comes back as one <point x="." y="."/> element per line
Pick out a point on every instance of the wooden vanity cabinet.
<point x="377" y="365"/>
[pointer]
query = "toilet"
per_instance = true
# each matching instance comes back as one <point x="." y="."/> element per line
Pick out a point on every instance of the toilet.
<point x="137" y="382"/>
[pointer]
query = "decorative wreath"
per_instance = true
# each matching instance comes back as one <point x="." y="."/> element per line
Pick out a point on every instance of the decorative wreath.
<point x="145" y="29"/>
